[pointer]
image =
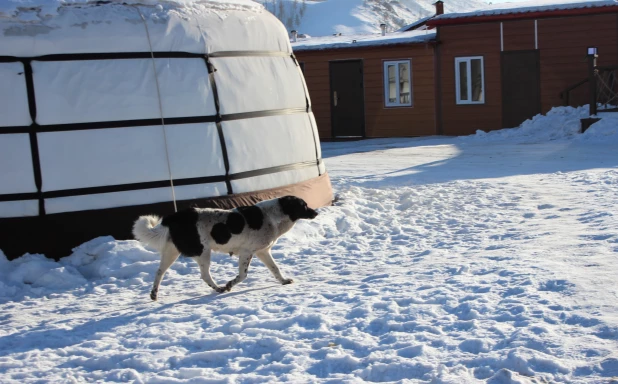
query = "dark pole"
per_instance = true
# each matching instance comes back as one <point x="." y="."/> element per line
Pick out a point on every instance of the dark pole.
<point x="592" y="63"/>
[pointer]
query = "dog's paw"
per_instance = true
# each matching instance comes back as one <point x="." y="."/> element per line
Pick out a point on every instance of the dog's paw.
<point x="153" y="296"/>
<point x="220" y="289"/>
<point x="287" y="281"/>
<point x="228" y="286"/>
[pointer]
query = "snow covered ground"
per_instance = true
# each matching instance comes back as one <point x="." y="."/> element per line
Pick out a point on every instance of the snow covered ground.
<point x="487" y="258"/>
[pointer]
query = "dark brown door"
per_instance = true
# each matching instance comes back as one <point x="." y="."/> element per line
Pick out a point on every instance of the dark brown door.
<point x="347" y="100"/>
<point x="521" y="87"/>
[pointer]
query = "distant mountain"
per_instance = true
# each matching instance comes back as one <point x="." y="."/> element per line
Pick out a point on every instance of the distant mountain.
<point x="325" y="17"/>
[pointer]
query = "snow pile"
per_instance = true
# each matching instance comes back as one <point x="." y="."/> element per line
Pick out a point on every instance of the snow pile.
<point x="35" y="274"/>
<point x="99" y="261"/>
<point x="603" y="131"/>
<point x="559" y="123"/>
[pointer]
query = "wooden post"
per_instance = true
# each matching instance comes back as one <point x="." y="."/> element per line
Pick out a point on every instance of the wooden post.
<point x="592" y="63"/>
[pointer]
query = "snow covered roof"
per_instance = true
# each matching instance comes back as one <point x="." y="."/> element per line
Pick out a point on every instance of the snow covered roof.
<point x="17" y="8"/>
<point x="47" y="27"/>
<point x="524" y="9"/>
<point x="367" y="40"/>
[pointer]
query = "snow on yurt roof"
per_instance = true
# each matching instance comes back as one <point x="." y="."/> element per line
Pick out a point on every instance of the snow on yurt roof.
<point x="43" y="27"/>
<point x="527" y="7"/>
<point x="11" y="8"/>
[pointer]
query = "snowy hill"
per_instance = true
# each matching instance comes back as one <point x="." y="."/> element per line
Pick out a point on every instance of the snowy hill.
<point x="325" y="17"/>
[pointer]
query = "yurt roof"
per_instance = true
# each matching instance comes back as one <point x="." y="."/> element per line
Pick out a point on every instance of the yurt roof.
<point x="45" y="27"/>
<point x="13" y="8"/>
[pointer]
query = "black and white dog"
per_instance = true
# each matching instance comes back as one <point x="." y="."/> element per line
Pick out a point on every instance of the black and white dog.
<point x="243" y="231"/>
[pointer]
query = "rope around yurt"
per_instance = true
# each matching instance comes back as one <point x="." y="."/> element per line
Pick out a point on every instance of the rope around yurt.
<point x="154" y="68"/>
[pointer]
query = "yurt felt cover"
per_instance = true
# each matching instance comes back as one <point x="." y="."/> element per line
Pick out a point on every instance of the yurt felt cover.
<point x="105" y="105"/>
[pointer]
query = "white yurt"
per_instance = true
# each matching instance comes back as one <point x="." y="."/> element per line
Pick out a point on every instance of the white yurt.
<point x="113" y="109"/>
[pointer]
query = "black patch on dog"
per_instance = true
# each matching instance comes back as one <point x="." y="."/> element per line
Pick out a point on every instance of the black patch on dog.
<point x="221" y="233"/>
<point x="253" y="215"/>
<point x="235" y="223"/>
<point x="296" y="208"/>
<point x="183" y="231"/>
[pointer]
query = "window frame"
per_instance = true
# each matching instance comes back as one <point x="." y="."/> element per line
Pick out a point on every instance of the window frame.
<point x="387" y="103"/>
<point x="468" y="60"/>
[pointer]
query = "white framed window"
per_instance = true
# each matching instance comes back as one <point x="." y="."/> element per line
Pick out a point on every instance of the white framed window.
<point x="470" y="80"/>
<point x="398" y="83"/>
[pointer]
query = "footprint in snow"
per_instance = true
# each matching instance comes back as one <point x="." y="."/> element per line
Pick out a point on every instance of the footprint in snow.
<point x="555" y="285"/>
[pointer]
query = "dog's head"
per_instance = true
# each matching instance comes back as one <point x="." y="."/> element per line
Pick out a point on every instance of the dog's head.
<point x="296" y="208"/>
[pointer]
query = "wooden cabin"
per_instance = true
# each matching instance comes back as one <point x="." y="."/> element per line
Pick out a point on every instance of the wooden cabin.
<point x="489" y="69"/>
<point x="371" y="85"/>
<point x="500" y="66"/>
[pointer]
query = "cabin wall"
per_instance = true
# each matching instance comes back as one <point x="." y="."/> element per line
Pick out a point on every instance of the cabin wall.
<point x="462" y="41"/>
<point x="380" y="121"/>
<point x="562" y="44"/>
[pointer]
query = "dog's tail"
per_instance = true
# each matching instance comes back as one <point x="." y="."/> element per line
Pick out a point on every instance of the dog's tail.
<point x="149" y="231"/>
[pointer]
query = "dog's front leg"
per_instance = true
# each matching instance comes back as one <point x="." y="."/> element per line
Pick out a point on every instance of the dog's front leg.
<point x="243" y="268"/>
<point x="204" y="262"/>
<point x="267" y="259"/>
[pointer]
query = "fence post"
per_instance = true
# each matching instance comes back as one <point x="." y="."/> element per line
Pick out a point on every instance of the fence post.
<point x="592" y="63"/>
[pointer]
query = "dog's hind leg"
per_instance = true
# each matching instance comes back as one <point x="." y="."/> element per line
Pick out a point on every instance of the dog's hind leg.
<point x="267" y="259"/>
<point x="243" y="268"/>
<point x="169" y="254"/>
<point x="204" y="263"/>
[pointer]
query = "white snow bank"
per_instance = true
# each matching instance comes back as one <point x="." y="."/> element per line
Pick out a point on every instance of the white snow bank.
<point x="603" y="131"/>
<point x="100" y="260"/>
<point x="559" y="123"/>
<point x="35" y="274"/>
<point x="23" y="9"/>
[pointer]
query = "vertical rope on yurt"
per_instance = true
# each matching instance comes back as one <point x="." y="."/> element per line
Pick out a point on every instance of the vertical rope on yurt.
<point x="154" y="68"/>
<point x="308" y="110"/>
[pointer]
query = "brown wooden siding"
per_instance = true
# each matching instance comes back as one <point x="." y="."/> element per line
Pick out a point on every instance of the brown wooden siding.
<point x="462" y="41"/>
<point x="418" y="120"/>
<point x="518" y="35"/>
<point x="563" y="44"/>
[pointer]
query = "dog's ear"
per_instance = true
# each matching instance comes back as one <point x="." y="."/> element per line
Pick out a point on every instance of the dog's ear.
<point x="296" y="208"/>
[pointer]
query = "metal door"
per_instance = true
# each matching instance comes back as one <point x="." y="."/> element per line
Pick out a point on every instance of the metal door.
<point x="347" y="98"/>
<point x="521" y="87"/>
